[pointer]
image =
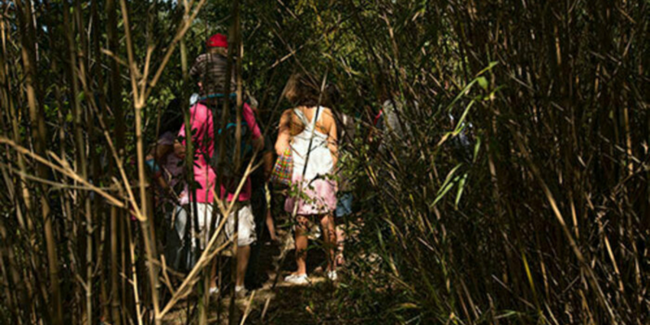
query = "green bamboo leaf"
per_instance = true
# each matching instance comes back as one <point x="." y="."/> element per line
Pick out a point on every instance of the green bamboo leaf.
<point x="460" y="126"/>
<point x="508" y="314"/>
<point x="442" y="193"/>
<point x="446" y="186"/>
<point x="461" y="94"/>
<point x="406" y="305"/>
<point x="477" y="147"/>
<point x="488" y="68"/>
<point x="461" y="188"/>
<point x="482" y="81"/>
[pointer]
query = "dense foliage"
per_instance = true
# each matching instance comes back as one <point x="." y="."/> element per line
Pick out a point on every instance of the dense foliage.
<point x="539" y="216"/>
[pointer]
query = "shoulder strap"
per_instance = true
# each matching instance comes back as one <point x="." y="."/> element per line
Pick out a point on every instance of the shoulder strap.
<point x="301" y="116"/>
<point x="317" y="115"/>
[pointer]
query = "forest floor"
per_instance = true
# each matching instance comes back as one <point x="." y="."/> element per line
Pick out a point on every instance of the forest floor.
<point x="283" y="303"/>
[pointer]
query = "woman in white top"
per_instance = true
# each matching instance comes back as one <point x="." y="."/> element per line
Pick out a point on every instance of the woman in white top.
<point x="310" y="131"/>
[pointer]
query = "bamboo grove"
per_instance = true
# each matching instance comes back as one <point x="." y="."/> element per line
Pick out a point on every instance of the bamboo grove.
<point x="544" y="218"/>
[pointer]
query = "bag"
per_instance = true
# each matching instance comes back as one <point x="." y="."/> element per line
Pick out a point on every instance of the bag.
<point x="229" y="161"/>
<point x="283" y="169"/>
<point x="179" y="253"/>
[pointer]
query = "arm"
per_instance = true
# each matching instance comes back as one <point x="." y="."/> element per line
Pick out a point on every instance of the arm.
<point x="195" y="119"/>
<point x="267" y="157"/>
<point x="332" y="141"/>
<point x="197" y="68"/>
<point x="284" y="134"/>
<point x="249" y="117"/>
<point x="156" y="157"/>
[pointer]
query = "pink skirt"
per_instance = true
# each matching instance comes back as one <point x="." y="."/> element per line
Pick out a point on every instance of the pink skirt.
<point x="316" y="197"/>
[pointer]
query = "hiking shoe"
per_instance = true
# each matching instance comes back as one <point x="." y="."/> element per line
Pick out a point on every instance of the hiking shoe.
<point x="240" y="292"/>
<point x="332" y="275"/>
<point x="297" y="279"/>
<point x="274" y="243"/>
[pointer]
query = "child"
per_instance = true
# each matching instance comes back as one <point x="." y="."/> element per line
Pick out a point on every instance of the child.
<point x="167" y="167"/>
<point x="210" y="68"/>
<point x="168" y="173"/>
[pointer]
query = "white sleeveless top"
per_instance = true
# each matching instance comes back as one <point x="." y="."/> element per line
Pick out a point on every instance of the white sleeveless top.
<point x="320" y="160"/>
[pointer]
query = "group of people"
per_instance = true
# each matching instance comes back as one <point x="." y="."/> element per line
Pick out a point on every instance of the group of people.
<point x="308" y="133"/>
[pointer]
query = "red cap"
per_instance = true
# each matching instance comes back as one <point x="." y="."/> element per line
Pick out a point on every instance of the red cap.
<point x="217" y="40"/>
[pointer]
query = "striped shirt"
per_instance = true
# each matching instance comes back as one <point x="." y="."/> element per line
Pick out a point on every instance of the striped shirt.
<point x="210" y="70"/>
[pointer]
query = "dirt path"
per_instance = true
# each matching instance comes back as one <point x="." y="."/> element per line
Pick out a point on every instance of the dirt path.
<point x="284" y="304"/>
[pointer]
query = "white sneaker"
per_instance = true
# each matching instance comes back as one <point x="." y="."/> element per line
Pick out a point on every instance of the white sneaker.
<point x="214" y="291"/>
<point x="332" y="275"/>
<point x="297" y="279"/>
<point x="240" y="292"/>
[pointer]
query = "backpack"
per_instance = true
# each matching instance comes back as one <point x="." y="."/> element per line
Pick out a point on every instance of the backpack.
<point x="225" y="158"/>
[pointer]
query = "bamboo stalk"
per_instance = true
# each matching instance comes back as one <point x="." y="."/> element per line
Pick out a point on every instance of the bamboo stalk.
<point x="98" y="207"/>
<point x="116" y="106"/>
<point x="79" y="73"/>
<point x="143" y="216"/>
<point x="237" y="44"/>
<point x="39" y="134"/>
<point x="9" y="274"/>
<point x="134" y="274"/>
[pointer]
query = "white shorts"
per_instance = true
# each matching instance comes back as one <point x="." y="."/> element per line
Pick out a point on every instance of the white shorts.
<point x="246" y="236"/>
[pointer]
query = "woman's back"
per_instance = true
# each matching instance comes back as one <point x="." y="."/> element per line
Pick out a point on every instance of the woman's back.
<point x="310" y="145"/>
<point x="323" y="124"/>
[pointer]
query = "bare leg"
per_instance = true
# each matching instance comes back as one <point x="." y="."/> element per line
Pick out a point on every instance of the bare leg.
<point x="340" y="241"/>
<point x="329" y="239"/>
<point x="301" y="244"/>
<point x="243" y="254"/>
<point x="270" y="225"/>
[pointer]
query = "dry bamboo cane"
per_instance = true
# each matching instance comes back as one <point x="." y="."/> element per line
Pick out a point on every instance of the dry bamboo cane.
<point x="73" y="90"/>
<point x="220" y="149"/>
<point x="139" y="102"/>
<point x="11" y="111"/>
<point x="82" y="165"/>
<point x="39" y="134"/>
<point x="24" y="218"/>
<point x="98" y="207"/>
<point x="9" y="274"/>
<point x="238" y="71"/>
<point x="189" y="146"/>
<point x="67" y="212"/>
<point x="115" y="104"/>
<point x="189" y="163"/>
<point x="134" y="274"/>
<point x="5" y="280"/>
